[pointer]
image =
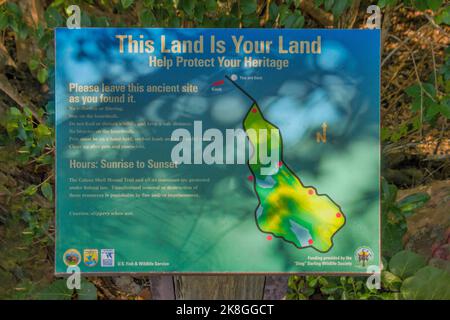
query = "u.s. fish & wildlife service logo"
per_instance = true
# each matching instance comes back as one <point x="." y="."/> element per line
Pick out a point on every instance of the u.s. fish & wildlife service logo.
<point x="72" y="257"/>
<point x="363" y="256"/>
<point x="90" y="257"/>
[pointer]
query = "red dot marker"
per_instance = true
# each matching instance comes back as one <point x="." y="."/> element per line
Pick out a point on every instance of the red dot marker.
<point x="311" y="191"/>
<point x="269" y="237"/>
<point x="280" y="164"/>
<point x="254" y="110"/>
<point x="310" y="241"/>
<point x="338" y="215"/>
<point x="250" y="178"/>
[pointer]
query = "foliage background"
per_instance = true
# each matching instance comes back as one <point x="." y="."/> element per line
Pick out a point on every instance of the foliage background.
<point x="415" y="112"/>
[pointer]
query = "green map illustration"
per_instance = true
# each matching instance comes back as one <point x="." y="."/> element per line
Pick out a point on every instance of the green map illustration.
<point x="287" y="208"/>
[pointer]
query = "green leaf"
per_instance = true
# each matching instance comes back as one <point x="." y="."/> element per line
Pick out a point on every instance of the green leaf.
<point x="301" y="296"/>
<point x="14" y="9"/>
<point x="318" y="3"/>
<point x="385" y="134"/>
<point x="44" y="159"/>
<point x="440" y="263"/>
<point x="308" y="292"/>
<point x="85" y="20"/>
<point x="187" y="6"/>
<point x="228" y="22"/>
<point x="444" y="108"/>
<point x="392" y="238"/>
<point x="385" y="264"/>
<point x="250" y="21"/>
<point x="147" y="18"/>
<point x="126" y="3"/>
<point x="292" y="282"/>
<point x="47" y="191"/>
<point x="405" y="263"/>
<point x="149" y="3"/>
<point x="273" y="11"/>
<point x="339" y="7"/>
<point x="53" y="17"/>
<point x="416" y="105"/>
<point x="284" y="12"/>
<point x="42" y="75"/>
<point x="174" y="22"/>
<point x="33" y="64"/>
<point x="329" y="290"/>
<point x="432" y="110"/>
<point x="199" y="13"/>
<point x="100" y="22"/>
<point x="385" y="3"/>
<point x="389" y="192"/>
<point x="211" y="5"/>
<point x="23" y="150"/>
<point x="42" y="131"/>
<point x="13" y="111"/>
<point x="88" y="291"/>
<point x="420" y="4"/>
<point x="429" y="88"/>
<point x="434" y="4"/>
<point x="23" y="31"/>
<point x="291" y="296"/>
<point x="57" y="3"/>
<point x="3" y="20"/>
<point x="248" y="7"/>
<point x="30" y="190"/>
<point x="45" y="40"/>
<point x="323" y="281"/>
<point x="294" y="20"/>
<point x="428" y="283"/>
<point x="56" y="291"/>
<point x="328" y="4"/>
<point x="413" y="202"/>
<point x="27" y="111"/>
<point x="312" y="281"/>
<point x="413" y="91"/>
<point x="390" y="281"/>
<point x="11" y="127"/>
<point x="444" y="17"/>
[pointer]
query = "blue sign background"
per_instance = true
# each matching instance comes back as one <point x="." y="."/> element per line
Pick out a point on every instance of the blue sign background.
<point x="217" y="231"/>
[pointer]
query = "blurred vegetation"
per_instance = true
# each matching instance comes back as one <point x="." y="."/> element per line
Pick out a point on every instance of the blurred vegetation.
<point x="27" y="127"/>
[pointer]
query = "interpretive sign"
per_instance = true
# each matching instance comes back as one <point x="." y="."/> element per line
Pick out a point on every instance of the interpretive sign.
<point x="217" y="150"/>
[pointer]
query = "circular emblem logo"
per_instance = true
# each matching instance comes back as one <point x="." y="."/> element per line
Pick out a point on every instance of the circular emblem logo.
<point x="72" y="257"/>
<point x="90" y="257"/>
<point x="363" y="256"/>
